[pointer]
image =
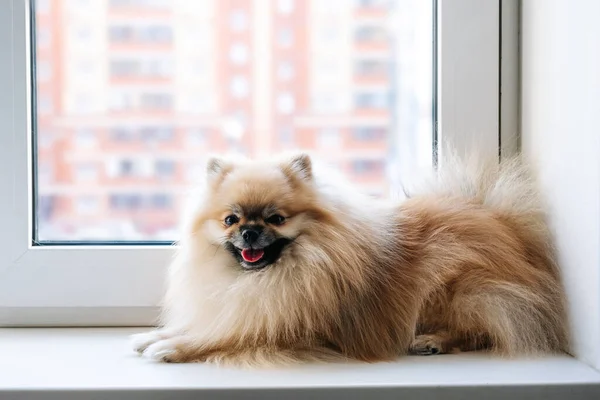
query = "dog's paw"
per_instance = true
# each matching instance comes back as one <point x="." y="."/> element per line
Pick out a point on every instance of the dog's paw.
<point x="426" y="345"/>
<point x="141" y="341"/>
<point x="168" y="350"/>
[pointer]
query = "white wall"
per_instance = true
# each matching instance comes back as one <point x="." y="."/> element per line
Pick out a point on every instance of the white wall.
<point x="560" y="123"/>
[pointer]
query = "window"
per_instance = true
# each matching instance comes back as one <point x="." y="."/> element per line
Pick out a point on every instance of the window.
<point x="329" y="138"/>
<point x="365" y="167"/>
<point x="151" y="134"/>
<point x="330" y="102"/>
<point x="239" y="87"/>
<point x="369" y="68"/>
<point x="44" y="37"/>
<point x="120" y="68"/>
<point x="368" y="134"/>
<point x="126" y="168"/>
<point x="155" y="34"/>
<point x="161" y="201"/>
<point x="85" y="137"/>
<point x="164" y="169"/>
<point x="86" y="172"/>
<point x="140" y="4"/>
<point x="122" y="134"/>
<point x="371" y="100"/>
<point x="285" y="6"/>
<point x="129" y="201"/>
<point x="158" y="34"/>
<point x="286" y="103"/>
<point x="197" y="137"/>
<point x="111" y="136"/>
<point x="373" y="3"/>
<point x="286" y="136"/>
<point x="120" y="33"/>
<point x="44" y="71"/>
<point x="285" y="70"/>
<point x="44" y="105"/>
<point x="156" y="101"/>
<point x="285" y="37"/>
<point x="238" y="54"/>
<point x="238" y="20"/>
<point x="87" y="205"/>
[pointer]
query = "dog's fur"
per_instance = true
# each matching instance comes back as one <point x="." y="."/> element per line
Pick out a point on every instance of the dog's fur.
<point x="465" y="265"/>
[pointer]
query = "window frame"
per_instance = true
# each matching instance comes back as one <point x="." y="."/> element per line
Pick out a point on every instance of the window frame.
<point x="121" y="285"/>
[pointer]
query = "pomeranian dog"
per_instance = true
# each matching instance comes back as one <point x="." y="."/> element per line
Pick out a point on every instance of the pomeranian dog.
<point x="281" y="262"/>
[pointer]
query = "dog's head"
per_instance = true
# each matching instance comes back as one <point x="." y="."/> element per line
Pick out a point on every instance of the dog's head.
<point x="257" y="211"/>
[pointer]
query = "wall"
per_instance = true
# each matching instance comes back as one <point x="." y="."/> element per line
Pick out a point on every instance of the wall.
<point x="560" y="95"/>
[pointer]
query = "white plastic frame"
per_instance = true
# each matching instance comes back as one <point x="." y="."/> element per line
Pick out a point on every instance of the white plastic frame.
<point x="121" y="285"/>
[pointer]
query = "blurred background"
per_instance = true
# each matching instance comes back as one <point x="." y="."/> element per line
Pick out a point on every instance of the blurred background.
<point x="133" y="95"/>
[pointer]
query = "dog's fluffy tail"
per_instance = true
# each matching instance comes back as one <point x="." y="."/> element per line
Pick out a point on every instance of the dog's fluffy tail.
<point x="508" y="185"/>
<point x="520" y="319"/>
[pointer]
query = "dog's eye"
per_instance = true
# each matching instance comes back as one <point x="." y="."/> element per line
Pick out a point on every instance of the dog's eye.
<point x="275" y="219"/>
<point x="231" y="219"/>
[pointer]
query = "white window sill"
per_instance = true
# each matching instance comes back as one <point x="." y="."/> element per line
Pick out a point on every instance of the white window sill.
<point x="84" y="363"/>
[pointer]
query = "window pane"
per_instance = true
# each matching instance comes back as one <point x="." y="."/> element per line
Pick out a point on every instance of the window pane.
<point x="132" y="96"/>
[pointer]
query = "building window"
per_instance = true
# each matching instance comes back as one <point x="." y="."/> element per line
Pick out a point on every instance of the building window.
<point x="45" y="172"/>
<point x="44" y="104"/>
<point x="238" y="20"/>
<point x="156" y="101"/>
<point x="126" y="168"/>
<point x="157" y="134"/>
<point x="43" y="37"/>
<point x="371" y="100"/>
<point x="285" y="70"/>
<point x="370" y="34"/>
<point x="285" y="6"/>
<point x="125" y="201"/>
<point x="329" y="102"/>
<point x="164" y="169"/>
<point x="286" y="103"/>
<point x="373" y="3"/>
<point x="144" y="34"/>
<point x="120" y="33"/>
<point x="286" y="136"/>
<point x="44" y="70"/>
<point x="238" y="53"/>
<point x="86" y="172"/>
<point x="367" y="167"/>
<point x="157" y="4"/>
<point x="161" y="201"/>
<point x="329" y="138"/>
<point x="369" y="68"/>
<point x="42" y="6"/>
<point x="85" y="137"/>
<point x="121" y="68"/>
<point x="45" y="207"/>
<point x="122" y="134"/>
<point x="197" y="137"/>
<point x="285" y="37"/>
<point x="155" y="34"/>
<point x="121" y="101"/>
<point x="87" y="205"/>
<point x="239" y="87"/>
<point x="368" y="134"/>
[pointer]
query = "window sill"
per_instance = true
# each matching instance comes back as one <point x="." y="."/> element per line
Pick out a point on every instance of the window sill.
<point x="84" y="362"/>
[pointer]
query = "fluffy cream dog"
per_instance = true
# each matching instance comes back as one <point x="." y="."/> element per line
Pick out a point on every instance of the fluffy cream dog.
<point x="281" y="263"/>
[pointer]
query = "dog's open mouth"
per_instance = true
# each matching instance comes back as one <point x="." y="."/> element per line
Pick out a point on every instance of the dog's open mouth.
<point x="256" y="259"/>
<point x="252" y="255"/>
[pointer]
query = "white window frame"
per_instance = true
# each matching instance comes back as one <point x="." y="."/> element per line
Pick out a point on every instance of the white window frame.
<point x="122" y="285"/>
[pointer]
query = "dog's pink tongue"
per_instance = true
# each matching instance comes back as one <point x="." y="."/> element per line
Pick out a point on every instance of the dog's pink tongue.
<point x="252" y="255"/>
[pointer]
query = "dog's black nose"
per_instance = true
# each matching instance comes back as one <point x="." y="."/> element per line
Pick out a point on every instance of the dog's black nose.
<point x="250" y="235"/>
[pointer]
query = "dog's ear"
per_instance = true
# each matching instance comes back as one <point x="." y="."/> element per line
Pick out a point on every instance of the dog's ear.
<point x="300" y="167"/>
<point x="216" y="168"/>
